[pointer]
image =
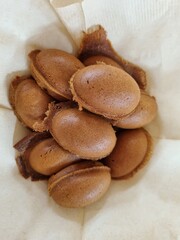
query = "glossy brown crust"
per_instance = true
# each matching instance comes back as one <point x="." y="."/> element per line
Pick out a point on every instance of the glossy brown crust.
<point x="133" y="144"/>
<point x="82" y="133"/>
<point x="80" y="187"/>
<point x="29" y="102"/>
<point x="100" y="60"/>
<point x="144" y="113"/>
<point x="24" y="146"/>
<point x="105" y="90"/>
<point x="52" y="69"/>
<point x="96" y="43"/>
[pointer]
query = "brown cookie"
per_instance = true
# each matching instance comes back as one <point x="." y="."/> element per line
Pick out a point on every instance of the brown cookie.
<point x="41" y="156"/>
<point x="80" y="184"/>
<point x="82" y="133"/>
<point x="144" y="113"/>
<point x="133" y="149"/>
<point x="105" y="90"/>
<point x="29" y="102"/>
<point x="52" y="69"/>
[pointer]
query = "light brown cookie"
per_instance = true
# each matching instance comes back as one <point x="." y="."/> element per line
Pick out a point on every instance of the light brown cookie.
<point x="41" y="156"/>
<point x="133" y="149"/>
<point x="105" y="90"/>
<point x="52" y="69"/>
<point x="29" y="102"/>
<point x="144" y="113"/>
<point x="80" y="184"/>
<point x="82" y="133"/>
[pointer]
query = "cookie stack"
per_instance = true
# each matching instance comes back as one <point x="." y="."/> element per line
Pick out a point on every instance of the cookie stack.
<point x="86" y="115"/>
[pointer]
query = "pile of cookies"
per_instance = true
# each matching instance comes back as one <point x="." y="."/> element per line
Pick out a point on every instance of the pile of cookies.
<point x="86" y="116"/>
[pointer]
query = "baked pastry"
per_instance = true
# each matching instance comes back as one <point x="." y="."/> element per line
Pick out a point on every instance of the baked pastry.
<point x="52" y="69"/>
<point x="82" y="133"/>
<point x="80" y="184"/>
<point x="41" y="156"/>
<point x="29" y="102"/>
<point x="144" y="113"/>
<point x="132" y="151"/>
<point x="105" y="90"/>
<point x="47" y="157"/>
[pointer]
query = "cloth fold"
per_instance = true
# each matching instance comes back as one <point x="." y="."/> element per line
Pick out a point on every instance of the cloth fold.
<point x="145" y="207"/>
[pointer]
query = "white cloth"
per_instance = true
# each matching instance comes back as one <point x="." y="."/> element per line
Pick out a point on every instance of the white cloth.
<point x="146" y="207"/>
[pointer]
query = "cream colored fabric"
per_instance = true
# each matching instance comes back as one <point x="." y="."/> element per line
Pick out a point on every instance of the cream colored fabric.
<point x="146" y="207"/>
